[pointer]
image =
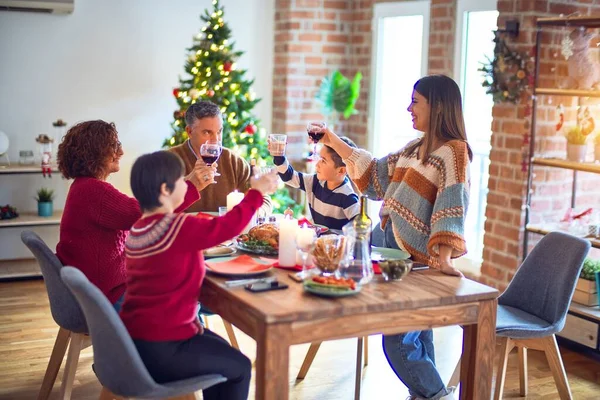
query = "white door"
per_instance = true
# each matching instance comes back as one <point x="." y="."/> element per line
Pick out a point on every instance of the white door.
<point x="400" y="43"/>
<point x="476" y="20"/>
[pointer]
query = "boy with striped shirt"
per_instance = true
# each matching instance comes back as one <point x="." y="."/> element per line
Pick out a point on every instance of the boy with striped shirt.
<point x="329" y="193"/>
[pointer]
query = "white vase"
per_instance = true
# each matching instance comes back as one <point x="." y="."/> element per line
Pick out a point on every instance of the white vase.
<point x="576" y="152"/>
<point x="597" y="152"/>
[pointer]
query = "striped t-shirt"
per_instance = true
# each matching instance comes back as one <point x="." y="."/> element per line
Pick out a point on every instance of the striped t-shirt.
<point x="332" y="208"/>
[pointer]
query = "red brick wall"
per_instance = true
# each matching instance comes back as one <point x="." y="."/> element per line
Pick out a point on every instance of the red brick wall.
<point x="314" y="37"/>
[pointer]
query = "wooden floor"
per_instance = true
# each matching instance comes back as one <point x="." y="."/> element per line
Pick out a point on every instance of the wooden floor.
<point x="27" y="334"/>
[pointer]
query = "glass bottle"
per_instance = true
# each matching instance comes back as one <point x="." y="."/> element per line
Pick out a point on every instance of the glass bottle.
<point x="357" y="255"/>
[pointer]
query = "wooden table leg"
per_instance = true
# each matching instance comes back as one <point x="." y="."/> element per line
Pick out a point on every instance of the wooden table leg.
<point x="272" y="362"/>
<point x="477" y="363"/>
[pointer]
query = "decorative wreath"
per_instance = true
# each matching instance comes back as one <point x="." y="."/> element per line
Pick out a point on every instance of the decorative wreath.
<point x="506" y="76"/>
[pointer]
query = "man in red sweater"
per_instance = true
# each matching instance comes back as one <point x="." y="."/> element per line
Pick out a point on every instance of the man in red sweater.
<point x="165" y="270"/>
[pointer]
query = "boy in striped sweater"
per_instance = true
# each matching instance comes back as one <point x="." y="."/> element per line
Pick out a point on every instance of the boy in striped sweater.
<point x="329" y="193"/>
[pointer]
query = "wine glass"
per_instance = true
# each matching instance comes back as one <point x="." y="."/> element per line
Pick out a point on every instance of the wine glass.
<point x="210" y="153"/>
<point x="316" y="131"/>
<point x="305" y="243"/>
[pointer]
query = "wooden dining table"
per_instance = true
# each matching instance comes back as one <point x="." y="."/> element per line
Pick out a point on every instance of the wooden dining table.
<point x="422" y="300"/>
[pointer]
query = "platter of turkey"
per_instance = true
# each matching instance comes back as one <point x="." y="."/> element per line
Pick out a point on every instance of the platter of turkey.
<point x="262" y="239"/>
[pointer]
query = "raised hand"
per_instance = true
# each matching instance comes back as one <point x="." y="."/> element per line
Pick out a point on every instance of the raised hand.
<point x="202" y="175"/>
<point x="265" y="183"/>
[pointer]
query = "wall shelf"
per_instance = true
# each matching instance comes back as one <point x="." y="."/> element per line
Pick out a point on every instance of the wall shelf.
<point x="31" y="219"/>
<point x="544" y="230"/>
<point x="567" y="92"/>
<point x="560" y="163"/>
<point x="19" y="269"/>
<point x="24" y="169"/>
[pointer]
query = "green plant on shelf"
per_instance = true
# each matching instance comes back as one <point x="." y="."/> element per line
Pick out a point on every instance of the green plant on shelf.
<point x="575" y="136"/>
<point x="44" y="195"/>
<point x="590" y="267"/>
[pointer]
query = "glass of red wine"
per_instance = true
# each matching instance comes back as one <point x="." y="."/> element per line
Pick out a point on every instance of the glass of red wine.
<point x="210" y="153"/>
<point x="316" y="131"/>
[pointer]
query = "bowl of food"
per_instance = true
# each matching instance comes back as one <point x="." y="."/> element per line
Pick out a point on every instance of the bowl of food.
<point x="395" y="270"/>
<point x="328" y="253"/>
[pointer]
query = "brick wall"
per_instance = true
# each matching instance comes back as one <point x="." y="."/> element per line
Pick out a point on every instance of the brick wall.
<point x="314" y="37"/>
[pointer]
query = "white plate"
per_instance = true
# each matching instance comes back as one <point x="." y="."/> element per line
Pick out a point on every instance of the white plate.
<point x="219" y="251"/>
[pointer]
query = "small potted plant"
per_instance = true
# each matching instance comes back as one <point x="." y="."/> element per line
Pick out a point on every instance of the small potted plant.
<point x="586" y="291"/>
<point x="576" y="144"/>
<point x="597" y="147"/>
<point x="44" y="198"/>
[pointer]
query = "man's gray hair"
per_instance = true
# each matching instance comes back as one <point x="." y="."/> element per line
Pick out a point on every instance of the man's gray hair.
<point x="201" y="109"/>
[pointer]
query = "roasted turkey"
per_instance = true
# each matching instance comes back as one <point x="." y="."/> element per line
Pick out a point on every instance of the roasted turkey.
<point x="266" y="232"/>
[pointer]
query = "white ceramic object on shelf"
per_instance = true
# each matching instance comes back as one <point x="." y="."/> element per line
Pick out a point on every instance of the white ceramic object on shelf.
<point x="576" y="152"/>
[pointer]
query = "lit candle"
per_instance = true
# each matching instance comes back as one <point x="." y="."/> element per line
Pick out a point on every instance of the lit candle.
<point x="287" y="242"/>
<point x="233" y="199"/>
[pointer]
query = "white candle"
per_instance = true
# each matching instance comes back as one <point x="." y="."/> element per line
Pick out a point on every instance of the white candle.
<point x="233" y="199"/>
<point x="305" y="237"/>
<point x="287" y="242"/>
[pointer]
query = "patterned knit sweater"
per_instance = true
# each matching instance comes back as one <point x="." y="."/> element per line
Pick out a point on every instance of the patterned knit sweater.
<point x="427" y="203"/>
<point x="165" y="269"/>
<point x="93" y="230"/>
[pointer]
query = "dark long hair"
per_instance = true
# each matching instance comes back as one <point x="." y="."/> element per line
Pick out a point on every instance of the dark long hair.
<point x="446" y="121"/>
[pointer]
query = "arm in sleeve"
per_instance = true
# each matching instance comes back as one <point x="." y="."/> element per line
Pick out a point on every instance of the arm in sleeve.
<point x="191" y="196"/>
<point x="450" y="208"/>
<point x="371" y="175"/>
<point x="293" y="178"/>
<point x="201" y="233"/>
<point x="118" y="210"/>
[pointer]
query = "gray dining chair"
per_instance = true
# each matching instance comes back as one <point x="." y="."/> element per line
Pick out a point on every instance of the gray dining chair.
<point x="117" y="363"/>
<point x="534" y="306"/>
<point x="66" y="313"/>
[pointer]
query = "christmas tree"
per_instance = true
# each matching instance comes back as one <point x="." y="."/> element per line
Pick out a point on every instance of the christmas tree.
<point x="212" y="74"/>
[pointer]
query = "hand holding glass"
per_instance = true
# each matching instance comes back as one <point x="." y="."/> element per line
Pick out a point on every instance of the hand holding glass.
<point x="316" y="131"/>
<point x="210" y="153"/>
<point x="277" y="144"/>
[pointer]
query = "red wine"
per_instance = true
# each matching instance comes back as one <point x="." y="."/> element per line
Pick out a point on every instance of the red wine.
<point x="209" y="160"/>
<point x="316" y="135"/>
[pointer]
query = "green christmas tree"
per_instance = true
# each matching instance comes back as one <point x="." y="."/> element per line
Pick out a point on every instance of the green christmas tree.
<point x="212" y="74"/>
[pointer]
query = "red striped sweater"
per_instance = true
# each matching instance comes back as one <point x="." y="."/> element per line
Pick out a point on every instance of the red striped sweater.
<point x="165" y="269"/>
<point x="93" y="230"/>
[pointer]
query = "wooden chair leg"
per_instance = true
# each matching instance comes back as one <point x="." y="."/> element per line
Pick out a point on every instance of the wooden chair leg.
<point x="106" y="394"/>
<point x="557" y="367"/>
<point x="455" y="378"/>
<point x="366" y="345"/>
<point x="58" y="353"/>
<point x="359" y="367"/>
<point x="506" y="346"/>
<point x="310" y="356"/>
<point x="75" y="347"/>
<point x="523" y="370"/>
<point x="231" y="334"/>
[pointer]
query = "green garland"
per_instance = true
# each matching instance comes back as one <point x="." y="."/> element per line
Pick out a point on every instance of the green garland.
<point x="506" y="76"/>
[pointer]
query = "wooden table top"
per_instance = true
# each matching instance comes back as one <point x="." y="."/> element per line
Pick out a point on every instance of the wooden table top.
<point x="419" y="289"/>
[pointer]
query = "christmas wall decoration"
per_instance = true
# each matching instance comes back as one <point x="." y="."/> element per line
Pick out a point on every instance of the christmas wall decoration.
<point x="506" y="76"/>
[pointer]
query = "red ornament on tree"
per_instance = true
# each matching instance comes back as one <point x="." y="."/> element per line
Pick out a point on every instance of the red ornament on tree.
<point x="210" y="93"/>
<point x="250" y="129"/>
<point x="176" y="92"/>
<point x="227" y="66"/>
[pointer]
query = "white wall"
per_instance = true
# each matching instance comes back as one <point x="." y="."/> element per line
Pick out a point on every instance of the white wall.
<point x="115" y="60"/>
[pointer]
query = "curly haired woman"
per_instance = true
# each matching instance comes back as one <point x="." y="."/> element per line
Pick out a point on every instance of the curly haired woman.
<point x="97" y="217"/>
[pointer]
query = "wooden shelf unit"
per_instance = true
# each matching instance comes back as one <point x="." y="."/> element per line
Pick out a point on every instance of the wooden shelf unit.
<point x="31" y="219"/>
<point x="583" y="322"/>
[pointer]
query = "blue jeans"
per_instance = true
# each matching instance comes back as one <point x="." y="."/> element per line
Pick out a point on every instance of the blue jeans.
<point x="411" y="355"/>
